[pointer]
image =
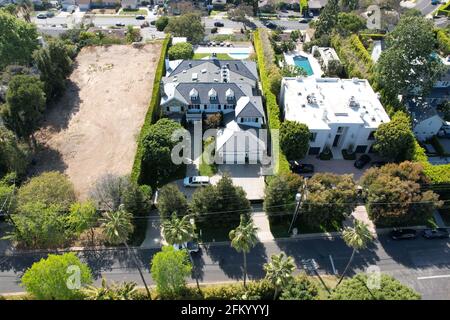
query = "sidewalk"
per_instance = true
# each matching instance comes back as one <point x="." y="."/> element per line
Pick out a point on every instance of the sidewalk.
<point x="262" y="223"/>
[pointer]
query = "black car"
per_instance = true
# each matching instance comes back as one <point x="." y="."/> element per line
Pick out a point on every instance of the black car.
<point x="140" y="17"/>
<point x="378" y="163"/>
<point x="120" y="24"/>
<point x="438" y="233"/>
<point x="362" y="161"/>
<point x="271" y="25"/>
<point x="298" y="167"/>
<point x="304" y="20"/>
<point x="401" y="234"/>
<point x="218" y="24"/>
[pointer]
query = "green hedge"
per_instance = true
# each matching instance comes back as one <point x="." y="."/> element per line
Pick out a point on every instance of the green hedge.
<point x="443" y="41"/>
<point x="445" y="9"/>
<point x="303" y="6"/>
<point x="373" y="36"/>
<point x="273" y="110"/>
<point x="153" y="111"/>
<point x="438" y="174"/>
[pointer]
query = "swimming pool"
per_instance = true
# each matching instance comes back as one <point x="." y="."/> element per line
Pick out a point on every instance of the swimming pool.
<point x="303" y="62"/>
<point x="239" y="55"/>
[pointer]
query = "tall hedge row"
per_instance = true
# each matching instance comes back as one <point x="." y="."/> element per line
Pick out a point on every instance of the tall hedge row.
<point x="273" y="110"/>
<point x="444" y="9"/>
<point x="443" y="41"/>
<point x="153" y="112"/>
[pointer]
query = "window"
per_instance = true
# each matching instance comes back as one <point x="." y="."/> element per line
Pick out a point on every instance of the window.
<point x="167" y="109"/>
<point x="340" y="130"/>
<point x="361" y="149"/>
<point x="313" y="136"/>
<point x="371" y="136"/>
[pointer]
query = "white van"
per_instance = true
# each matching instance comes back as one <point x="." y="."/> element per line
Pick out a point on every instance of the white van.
<point x="196" y="181"/>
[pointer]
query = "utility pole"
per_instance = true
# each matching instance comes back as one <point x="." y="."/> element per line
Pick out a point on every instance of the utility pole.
<point x="298" y="198"/>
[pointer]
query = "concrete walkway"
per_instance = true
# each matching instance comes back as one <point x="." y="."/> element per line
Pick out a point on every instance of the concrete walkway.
<point x="262" y="223"/>
<point x="360" y="214"/>
<point x="153" y="234"/>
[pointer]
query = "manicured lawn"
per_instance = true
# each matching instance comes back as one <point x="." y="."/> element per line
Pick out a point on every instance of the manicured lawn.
<point x="220" y="56"/>
<point x="206" y="169"/>
<point x="280" y="229"/>
<point x="133" y="12"/>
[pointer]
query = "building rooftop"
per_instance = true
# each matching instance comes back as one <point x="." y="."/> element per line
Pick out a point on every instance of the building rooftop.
<point x="319" y="102"/>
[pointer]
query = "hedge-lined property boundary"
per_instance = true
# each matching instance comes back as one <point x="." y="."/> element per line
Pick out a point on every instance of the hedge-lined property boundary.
<point x="443" y="41"/>
<point x="438" y="174"/>
<point x="355" y="57"/>
<point x="153" y="110"/>
<point x="303" y="6"/>
<point x="273" y="110"/>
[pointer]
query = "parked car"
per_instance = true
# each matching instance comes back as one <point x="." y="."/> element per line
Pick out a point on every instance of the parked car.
<point x="196" y="181"/>
<point x="41" y="16"/>
<point x="218" y="24"/>
<point x="191" y="246"/>
<point x="298" y="167"/>
<point x="435" y="2"/>
<point x="120" y="24"/>
<point x="402" y="234"/>
<point x="140" y="17"/>
<point x="362" y="161"/>
<point x="438" y="233"/>
<point x="304" y="20"/>
<point x="378" y="163"/>
<point x="270" y="25"/>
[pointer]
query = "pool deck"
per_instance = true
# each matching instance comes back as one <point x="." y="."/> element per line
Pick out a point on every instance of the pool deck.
<point x="315" y="66"/>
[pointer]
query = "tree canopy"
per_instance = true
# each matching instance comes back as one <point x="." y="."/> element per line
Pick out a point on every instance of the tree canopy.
<point x="294" y="139"/>
<point x="182" y="50"/>
<point x="395" y="196"/>
<point x="58" y="277"/>
<point x="171" y="200"/>
<point x="55" y="65"/>
<point x="18" y="40"/>
<point x="169" y="269"/>
<point x="327" y="19"/>
<point x="394" y="139"/>
<point x="25" y="104"/>
<point x="329" y="199"/>
<point x="407" y="65"/>
<point x="188" y="25"/>
<point x="224" y="198"/>
<point x="157" y="164"/>
<point x="13" y="155"/>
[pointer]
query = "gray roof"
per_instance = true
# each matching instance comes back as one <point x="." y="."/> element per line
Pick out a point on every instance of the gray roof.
<point x="421" y="110"/>
<point x="249" y="107"/>
<point x="240" y="71"/>
<point x="203" y="88"/>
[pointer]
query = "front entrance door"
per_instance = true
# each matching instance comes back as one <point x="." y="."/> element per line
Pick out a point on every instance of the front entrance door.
<point x="336" y="140"/>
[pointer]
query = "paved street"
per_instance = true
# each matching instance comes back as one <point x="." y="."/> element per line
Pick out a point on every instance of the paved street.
<point x="425" y="6"/>
<point x="422" y="264"/>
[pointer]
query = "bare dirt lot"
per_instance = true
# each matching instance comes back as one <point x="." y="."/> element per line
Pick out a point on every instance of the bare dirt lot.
<point x="92" y="130"/>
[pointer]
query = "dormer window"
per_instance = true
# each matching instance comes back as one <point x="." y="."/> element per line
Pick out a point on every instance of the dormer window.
<point x="193" y="94"/>
<point x="212" y="94"/>
<point x="229" y="94"/>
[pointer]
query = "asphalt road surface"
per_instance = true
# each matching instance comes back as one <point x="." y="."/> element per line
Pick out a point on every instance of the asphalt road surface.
<point x="422" y="264"/>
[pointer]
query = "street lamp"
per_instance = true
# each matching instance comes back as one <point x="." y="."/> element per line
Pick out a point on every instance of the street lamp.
<point x="298" y="198"/>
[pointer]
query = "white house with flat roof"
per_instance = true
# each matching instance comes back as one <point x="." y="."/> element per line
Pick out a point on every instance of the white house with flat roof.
<point x="340" y="113"/>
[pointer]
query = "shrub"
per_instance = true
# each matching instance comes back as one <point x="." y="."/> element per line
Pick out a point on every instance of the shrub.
<point x="181" y="51"/>
<point x="55" y="278"/>
<point x="443" y="41"/>
<point x="356" y="289"/>
<point x="161" y="23"/>
<point x="326" y="154"/>
<point x="300" y="289"/>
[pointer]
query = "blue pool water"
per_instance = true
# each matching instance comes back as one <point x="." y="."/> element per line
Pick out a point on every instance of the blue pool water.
<point x="239" y="55"/>
<point x="303" y="63"/>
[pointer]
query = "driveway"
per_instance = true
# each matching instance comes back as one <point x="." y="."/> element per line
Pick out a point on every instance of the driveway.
<point x="245" y="175"/>
<point x="338" y="166"/>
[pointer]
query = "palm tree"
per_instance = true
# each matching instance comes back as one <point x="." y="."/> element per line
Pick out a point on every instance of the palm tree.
<point x="117" y="227"/>
<point x="179" y="232"/>
<point x="243" y="238"/>
<point x="279" y="271"/>
<point x="357" y="238"/>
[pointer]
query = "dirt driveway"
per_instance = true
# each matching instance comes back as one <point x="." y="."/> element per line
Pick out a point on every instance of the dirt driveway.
<point x="92" y="130"/>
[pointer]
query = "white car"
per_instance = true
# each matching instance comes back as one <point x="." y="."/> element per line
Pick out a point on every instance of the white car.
<point x="196" y="181"/>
